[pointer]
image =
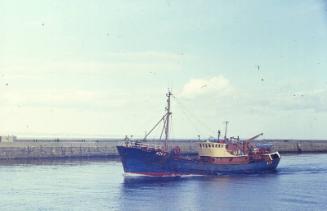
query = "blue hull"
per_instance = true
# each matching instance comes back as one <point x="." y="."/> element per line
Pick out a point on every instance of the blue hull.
<point x="136" y="160"/>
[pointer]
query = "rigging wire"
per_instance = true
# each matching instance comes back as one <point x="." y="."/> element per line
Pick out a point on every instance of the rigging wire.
<point x="186" y="117"/>
<point x="163" y="129"/>
<point x="154" y="127"/>
<point x="188" y="113"/>
<point x="171" y="127"/>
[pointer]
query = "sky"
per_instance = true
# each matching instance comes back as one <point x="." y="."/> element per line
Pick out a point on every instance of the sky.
<point x="102" y="68"/>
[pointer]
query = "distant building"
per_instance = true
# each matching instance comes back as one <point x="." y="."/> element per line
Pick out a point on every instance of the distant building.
<point x="8" y="138"/>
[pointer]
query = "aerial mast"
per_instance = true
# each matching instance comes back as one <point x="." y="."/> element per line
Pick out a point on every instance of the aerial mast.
<point x="167" y="119"/>
<point x="226" y="126"/>
<point x="218" y="136"/>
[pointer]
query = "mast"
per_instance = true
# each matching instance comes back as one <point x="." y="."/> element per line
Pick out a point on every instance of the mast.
<point x="218" y="136"/>
<point x="226" y="126"/>
<point x="168" y="113"/>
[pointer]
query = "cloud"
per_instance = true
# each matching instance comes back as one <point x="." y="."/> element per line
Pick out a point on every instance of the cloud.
<point x="315" y="100"/>
<point x="212" y="89"/>
<point x="46" y="97"/>
<point x="285" y="101"/>
<point x="218" y="85"/>
<point x="112" y="63"/>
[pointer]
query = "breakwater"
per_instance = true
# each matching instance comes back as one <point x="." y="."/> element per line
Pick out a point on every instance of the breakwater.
<point x="69" y="148"/>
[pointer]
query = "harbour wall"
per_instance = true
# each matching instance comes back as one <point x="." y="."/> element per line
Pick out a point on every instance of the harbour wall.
<point x="70" y="148"/>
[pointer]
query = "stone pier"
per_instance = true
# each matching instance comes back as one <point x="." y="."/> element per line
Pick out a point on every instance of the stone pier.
<point x="69" y="148"/>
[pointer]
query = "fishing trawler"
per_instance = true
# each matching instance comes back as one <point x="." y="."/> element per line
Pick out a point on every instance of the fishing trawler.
<point x="222" y="156"/>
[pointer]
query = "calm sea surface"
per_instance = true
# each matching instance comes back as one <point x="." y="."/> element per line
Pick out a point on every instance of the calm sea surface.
<point x="299" y="184"/>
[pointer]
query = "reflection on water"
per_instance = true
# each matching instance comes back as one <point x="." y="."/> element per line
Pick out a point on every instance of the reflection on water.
<point x="226" y="192"/>
<point x="300" y="183"/>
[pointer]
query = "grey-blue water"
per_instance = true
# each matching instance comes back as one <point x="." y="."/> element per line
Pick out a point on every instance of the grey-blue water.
<point x="299" y="184"/>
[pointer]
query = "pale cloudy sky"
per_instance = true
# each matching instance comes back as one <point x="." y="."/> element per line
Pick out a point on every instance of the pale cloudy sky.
<point x="101" y="68"/>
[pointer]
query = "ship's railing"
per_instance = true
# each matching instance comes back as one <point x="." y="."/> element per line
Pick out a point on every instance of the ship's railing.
<point x="142" y="145"/>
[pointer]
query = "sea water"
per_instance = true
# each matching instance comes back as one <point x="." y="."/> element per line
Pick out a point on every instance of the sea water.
<point x="300" y="183"/>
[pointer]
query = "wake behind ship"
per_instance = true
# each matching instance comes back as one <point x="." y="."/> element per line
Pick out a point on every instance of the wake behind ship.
<point x="223" y="156"/>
